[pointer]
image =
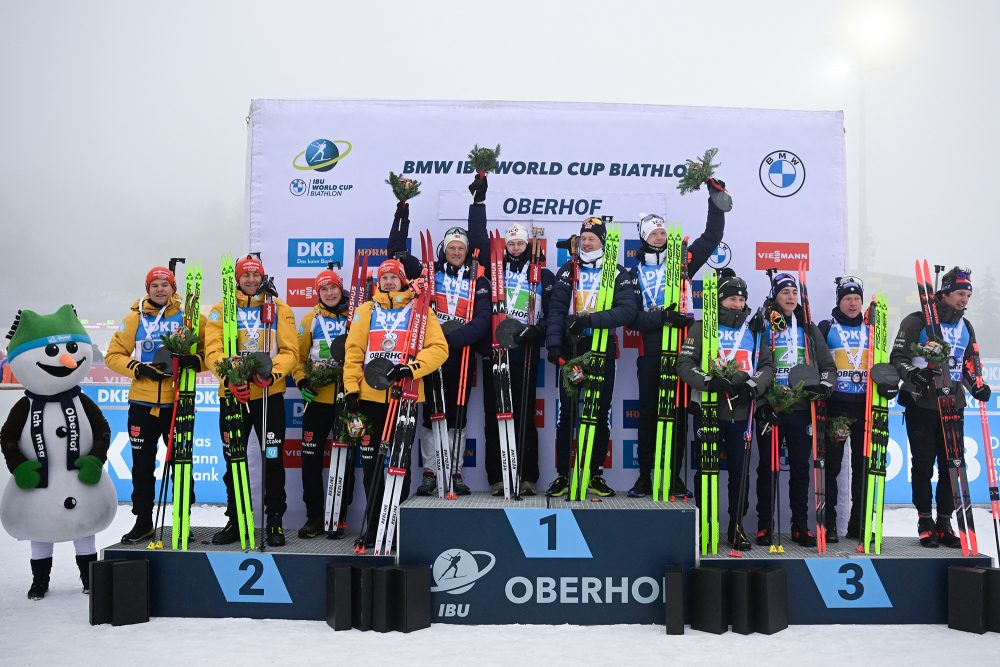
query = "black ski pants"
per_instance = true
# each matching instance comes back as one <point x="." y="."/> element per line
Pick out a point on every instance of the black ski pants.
<point x="374" y="479"/>
<point x="923" y="429"/>
<point x="522" y="387"/>
<point x="318" y="422"/>
<point x="569" y="416"/>
<point x="835" y="457"/>
<point x="144" y="433"/>
<point x="648" y="373"/>
<point x="732" y="442"/>
<point x="450" y="374"/>
<point x="794" y="433"/>
<point x="274" y="468"/>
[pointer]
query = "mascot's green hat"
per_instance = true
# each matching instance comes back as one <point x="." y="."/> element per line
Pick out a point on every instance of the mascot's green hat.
<point x="31" y="330"/>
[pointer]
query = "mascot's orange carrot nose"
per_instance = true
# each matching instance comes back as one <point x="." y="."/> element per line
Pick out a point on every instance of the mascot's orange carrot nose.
<point x="68" y="361"/>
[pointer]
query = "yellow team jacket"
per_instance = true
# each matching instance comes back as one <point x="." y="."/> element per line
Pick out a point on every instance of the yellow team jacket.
<point x="428" y="360"/>
<point x="122" y="347"/>
<point x="284" y="343"/>
<point x="325" y="394"/>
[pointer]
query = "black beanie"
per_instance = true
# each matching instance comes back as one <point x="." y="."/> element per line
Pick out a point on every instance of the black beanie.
<point x="780" y="281"/>
<point x="595" y="226"/>
<point x="849" y="285"/>
<point x="731" y="285"/>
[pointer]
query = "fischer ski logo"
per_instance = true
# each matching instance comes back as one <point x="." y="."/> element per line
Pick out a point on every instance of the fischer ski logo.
<point x="782" y="255"/>
<point x="456" y="571"/>
<point x="782" y="173"/>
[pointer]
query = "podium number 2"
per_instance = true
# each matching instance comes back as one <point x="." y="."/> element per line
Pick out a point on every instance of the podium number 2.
<point x="550" y="522"/>
<point x="258" y="570"/>
<point x="853" y="580"/>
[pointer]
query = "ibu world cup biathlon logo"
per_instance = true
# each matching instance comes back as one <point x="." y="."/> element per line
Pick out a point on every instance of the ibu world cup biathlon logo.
<point x="782" y="173"/>
<point x="457" y="570"/>
<point x="321" y="155"/>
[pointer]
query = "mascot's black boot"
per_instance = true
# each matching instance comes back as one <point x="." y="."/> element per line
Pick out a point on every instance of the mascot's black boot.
<point x="40" y="570"/>
<point x="83" y="562"/>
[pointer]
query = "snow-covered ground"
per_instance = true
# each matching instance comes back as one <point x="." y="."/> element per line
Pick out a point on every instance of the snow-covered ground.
<point x="55" y="631"/>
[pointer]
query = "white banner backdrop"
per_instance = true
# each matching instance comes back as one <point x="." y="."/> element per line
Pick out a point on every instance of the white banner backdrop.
<point x="317" y="194"/>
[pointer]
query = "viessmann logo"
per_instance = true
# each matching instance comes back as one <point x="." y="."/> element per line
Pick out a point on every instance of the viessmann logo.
<point x="301" y="293"/>
<point x="777" y="255"/>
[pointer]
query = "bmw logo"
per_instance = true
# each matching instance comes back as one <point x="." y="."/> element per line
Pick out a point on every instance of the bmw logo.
<point x="720" y="257"/>
<point x="782" y="173"/>
<point x="297" y="187"/>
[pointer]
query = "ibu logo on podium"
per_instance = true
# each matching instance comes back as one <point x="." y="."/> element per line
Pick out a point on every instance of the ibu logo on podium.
<point x="538" y="564"/>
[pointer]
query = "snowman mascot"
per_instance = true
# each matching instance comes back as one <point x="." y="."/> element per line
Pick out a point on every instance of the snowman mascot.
<point x="55" y="442"/>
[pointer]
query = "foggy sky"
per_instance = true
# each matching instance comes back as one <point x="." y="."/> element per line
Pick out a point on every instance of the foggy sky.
<point x="123" y="135"/>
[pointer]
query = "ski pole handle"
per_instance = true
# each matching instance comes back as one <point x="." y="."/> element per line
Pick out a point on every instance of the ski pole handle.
<point x="267" y="312"/>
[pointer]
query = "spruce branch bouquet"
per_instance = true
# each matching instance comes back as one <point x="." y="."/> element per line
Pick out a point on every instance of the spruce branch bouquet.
<point x="698" y="172"/>
<point x="575" y="373"/>
<point x="403" y="188"/>
<point x="180" y="340"/>
<point x="322" y="373"/>
<point x="840" y="427"/>
<point x="237" y="371"/>
<point x="484" y="159"/>
<point x="782" y="398"/>
<point x="354" y="425"/>
<point x="720" y="368"/>
<point x="934" y="350"/>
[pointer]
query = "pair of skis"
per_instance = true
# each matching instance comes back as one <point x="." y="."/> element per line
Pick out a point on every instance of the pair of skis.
<point x="590" y="413"/>
<point x="817" y="410"/>
<point x="233" y="436"/>
<point x="708" y="436"/>
<point x="509" y="462"/>
<point x="876" y="444"/>
<point x="401" y="419"/>
<point x="975" y="369"/>
<point x="669" y="390"/>
<point x="951" y="416"/>
<point x="341" y="452"/>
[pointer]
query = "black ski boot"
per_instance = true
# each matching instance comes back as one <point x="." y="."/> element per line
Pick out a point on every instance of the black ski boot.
<point x="737" y="539"/>
<point x="141" y="531"/>
<point x="312" y="528"/>
<point x="679" y="490"/>
<point x="229" y="534"/>
<point x="558" y="487"/>
<point x="946" y="537"/>
<point x="458" y="486"/>
<point x="642" y="487"/>
<point x="853" y="532"/>
<point x="802" y="536"/>
<point x="275" y="533"/>
<point x="764" y="537"/>
<point x="428" y="485"/>
<point x="927" y="532"/>
<point x="831" y="534"/>
<point x="40" y="570"/>
<point x="600" y="487"/>
<point x="83" y="562"/>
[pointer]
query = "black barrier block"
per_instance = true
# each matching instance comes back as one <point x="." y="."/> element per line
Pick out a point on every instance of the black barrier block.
<point x="385" y="607"/>
<point x="100" y="591"/>
<point x="769" y="599"/>
<point x="411" y="585"/>
<point x="740" y="607"/>
<point x="708" y="600"/>
<point x="993" y="595"/>
<point x="130" y="592"/>
<point x="673" y="581"/>
<point x="362" y="580"/>
<point x="338" y="596"/>
<point x="967" y="599"/>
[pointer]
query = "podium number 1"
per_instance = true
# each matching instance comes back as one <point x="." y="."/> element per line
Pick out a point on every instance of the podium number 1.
<point x="550" y="522"/>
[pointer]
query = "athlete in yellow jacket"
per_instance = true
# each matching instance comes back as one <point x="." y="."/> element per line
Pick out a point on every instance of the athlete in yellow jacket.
<point x="379" y="330"/>
<point x="133" y="353"/>
<point x="284" y="354"/>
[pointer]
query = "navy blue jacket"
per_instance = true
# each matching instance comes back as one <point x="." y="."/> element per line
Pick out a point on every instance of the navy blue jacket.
<point x="622" y="311"/>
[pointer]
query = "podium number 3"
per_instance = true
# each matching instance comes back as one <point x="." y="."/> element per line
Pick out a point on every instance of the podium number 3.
<point x="550" y="522"/>
<point x="853" y="574"/>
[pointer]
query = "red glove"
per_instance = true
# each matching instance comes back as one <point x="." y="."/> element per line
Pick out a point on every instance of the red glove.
<point x="241" y="392"/>
<point x="263" y="381"/>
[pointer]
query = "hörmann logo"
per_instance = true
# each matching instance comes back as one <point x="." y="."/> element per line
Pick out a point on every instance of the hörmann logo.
<point x="778" y="255"/>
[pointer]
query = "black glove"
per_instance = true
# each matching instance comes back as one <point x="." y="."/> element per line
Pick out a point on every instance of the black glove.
<point x="554" y="354"/>
<point x="308" y="393"/>
<point x="529" y="335"/>
<point x="981" y="394"/>
<point x="766" y="414"/>
<point x="400" y="371"/>
<point x="745" y="392"/>
<point x="403" y="212"/>
<point x="351" y="403"/>
<point x="578" y="324"/>
<point x="478" y="188"/>
<point x="923" y="378"/>
<point x="756" y="324"/>
<point x="189" y="362"/>
<point x="672" y="318"/>
<point x="149" y="372"/>
<point x="720" y="385"/>
<point x="739" y="379"/>
<point x="819" y="392"/>
<point x="887" y="391"/>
